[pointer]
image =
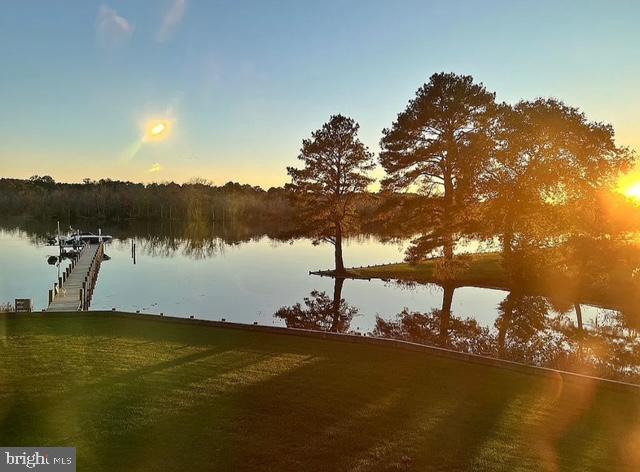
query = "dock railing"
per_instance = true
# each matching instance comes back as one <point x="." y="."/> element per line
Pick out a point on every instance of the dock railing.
<point x="75" y="286"/>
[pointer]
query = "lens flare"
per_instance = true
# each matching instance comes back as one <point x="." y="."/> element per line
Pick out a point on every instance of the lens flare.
<point x="156" y="130"/>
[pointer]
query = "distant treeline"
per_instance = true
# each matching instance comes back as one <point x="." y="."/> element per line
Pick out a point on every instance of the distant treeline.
<point x="195" y="202"/>
<point x="195" y="205"/>
<point x="112" y="200"/>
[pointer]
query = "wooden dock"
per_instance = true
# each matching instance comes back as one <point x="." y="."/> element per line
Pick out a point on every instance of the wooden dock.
<point x="73" y="291"/>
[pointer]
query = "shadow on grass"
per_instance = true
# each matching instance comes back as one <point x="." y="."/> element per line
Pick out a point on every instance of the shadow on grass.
<point x="255" y="401"/>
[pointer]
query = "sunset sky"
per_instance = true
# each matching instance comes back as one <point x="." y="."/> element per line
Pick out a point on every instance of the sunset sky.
<point x="239" y="84"/>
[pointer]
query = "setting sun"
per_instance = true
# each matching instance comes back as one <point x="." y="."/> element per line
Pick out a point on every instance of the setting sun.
<point x="629" y="185"/>
<point x="633" y="191"/>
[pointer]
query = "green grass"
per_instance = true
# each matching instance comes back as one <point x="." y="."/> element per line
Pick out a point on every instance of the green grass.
<point x="143" y="395"/>
<point x="487" y="271"/>
<point x="484" y="270"/>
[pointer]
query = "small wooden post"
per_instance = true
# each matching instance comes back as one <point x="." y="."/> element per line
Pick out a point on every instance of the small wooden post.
<point x="50" y="296"/>
<point x="82" y="301"/>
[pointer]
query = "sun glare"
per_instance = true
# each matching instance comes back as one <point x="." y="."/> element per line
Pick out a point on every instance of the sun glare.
<point x="629" y="185"/>
<point x="157" y="130"/>
<point x="633" y="191"/>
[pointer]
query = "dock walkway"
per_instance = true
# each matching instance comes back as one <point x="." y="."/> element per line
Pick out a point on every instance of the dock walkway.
<point x="74" y="289"/>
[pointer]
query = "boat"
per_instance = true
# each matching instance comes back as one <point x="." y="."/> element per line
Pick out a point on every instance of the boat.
<point x="79" y="238"/>
<point x="75" y="239"/>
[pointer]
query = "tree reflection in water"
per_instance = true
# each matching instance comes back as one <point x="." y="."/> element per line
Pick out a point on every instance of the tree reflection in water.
<point x="530" y="329"/>
<point x="465" y="335"/>
<point x="533" y="330"/>
<point x="525" y="330"/>
<point x="194" y="236"/>
<point x="320" y="312"/>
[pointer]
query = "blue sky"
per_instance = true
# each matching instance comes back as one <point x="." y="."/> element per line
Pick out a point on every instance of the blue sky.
<point x="243" y="82"/>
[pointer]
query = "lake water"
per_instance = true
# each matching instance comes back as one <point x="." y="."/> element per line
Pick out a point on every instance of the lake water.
<point x="248" y="281"/>
<point x="245" y="282"/>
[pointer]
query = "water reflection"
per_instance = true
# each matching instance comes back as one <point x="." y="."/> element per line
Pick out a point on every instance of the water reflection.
<point x="530" y="329"/>
<point x="227" y="271"/>
<point x="320" y="312"/>
<point x="234" y="271"/>
<point x="196" y="238"/>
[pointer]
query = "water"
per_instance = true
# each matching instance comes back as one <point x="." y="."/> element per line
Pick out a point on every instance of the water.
<point x="244" y="282"/>
<point x="247" y="279"/>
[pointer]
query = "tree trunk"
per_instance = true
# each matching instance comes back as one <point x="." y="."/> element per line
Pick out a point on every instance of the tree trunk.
<point x="337" y="298"/>
<point x="503" y="327"/>
<point x="509" y="262"/>
<point x="578" y="309"/>
<point x="507" y="243"/>
<point x="445" y="313"/>
<point x="338" y="250"/>
<point x="449" y="191"/>
<point x="448" y="245"/>
<point x="447" y="234"/>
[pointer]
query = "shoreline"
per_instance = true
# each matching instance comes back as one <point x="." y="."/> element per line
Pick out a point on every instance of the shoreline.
<point x="484" y="271"/>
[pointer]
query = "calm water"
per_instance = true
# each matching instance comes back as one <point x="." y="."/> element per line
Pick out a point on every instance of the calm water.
<point x="249" y="279"/>
<point x="243" y="282"/>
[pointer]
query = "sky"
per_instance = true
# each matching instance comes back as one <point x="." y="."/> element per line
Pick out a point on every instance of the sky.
<point x="240" y="84"/>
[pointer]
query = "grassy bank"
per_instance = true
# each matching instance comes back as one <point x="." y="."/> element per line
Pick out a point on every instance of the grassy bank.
<point x="487" y="271"/>
<point x="134" y="394"/>
<point x="483" y="270"/>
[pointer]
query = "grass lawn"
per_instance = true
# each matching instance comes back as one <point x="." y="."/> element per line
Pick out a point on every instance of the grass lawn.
<point x="143" y="395"/>
<point x="484" y="270"/>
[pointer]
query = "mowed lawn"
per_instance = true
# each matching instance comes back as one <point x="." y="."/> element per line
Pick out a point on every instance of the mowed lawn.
<point x="142" y="395"/>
